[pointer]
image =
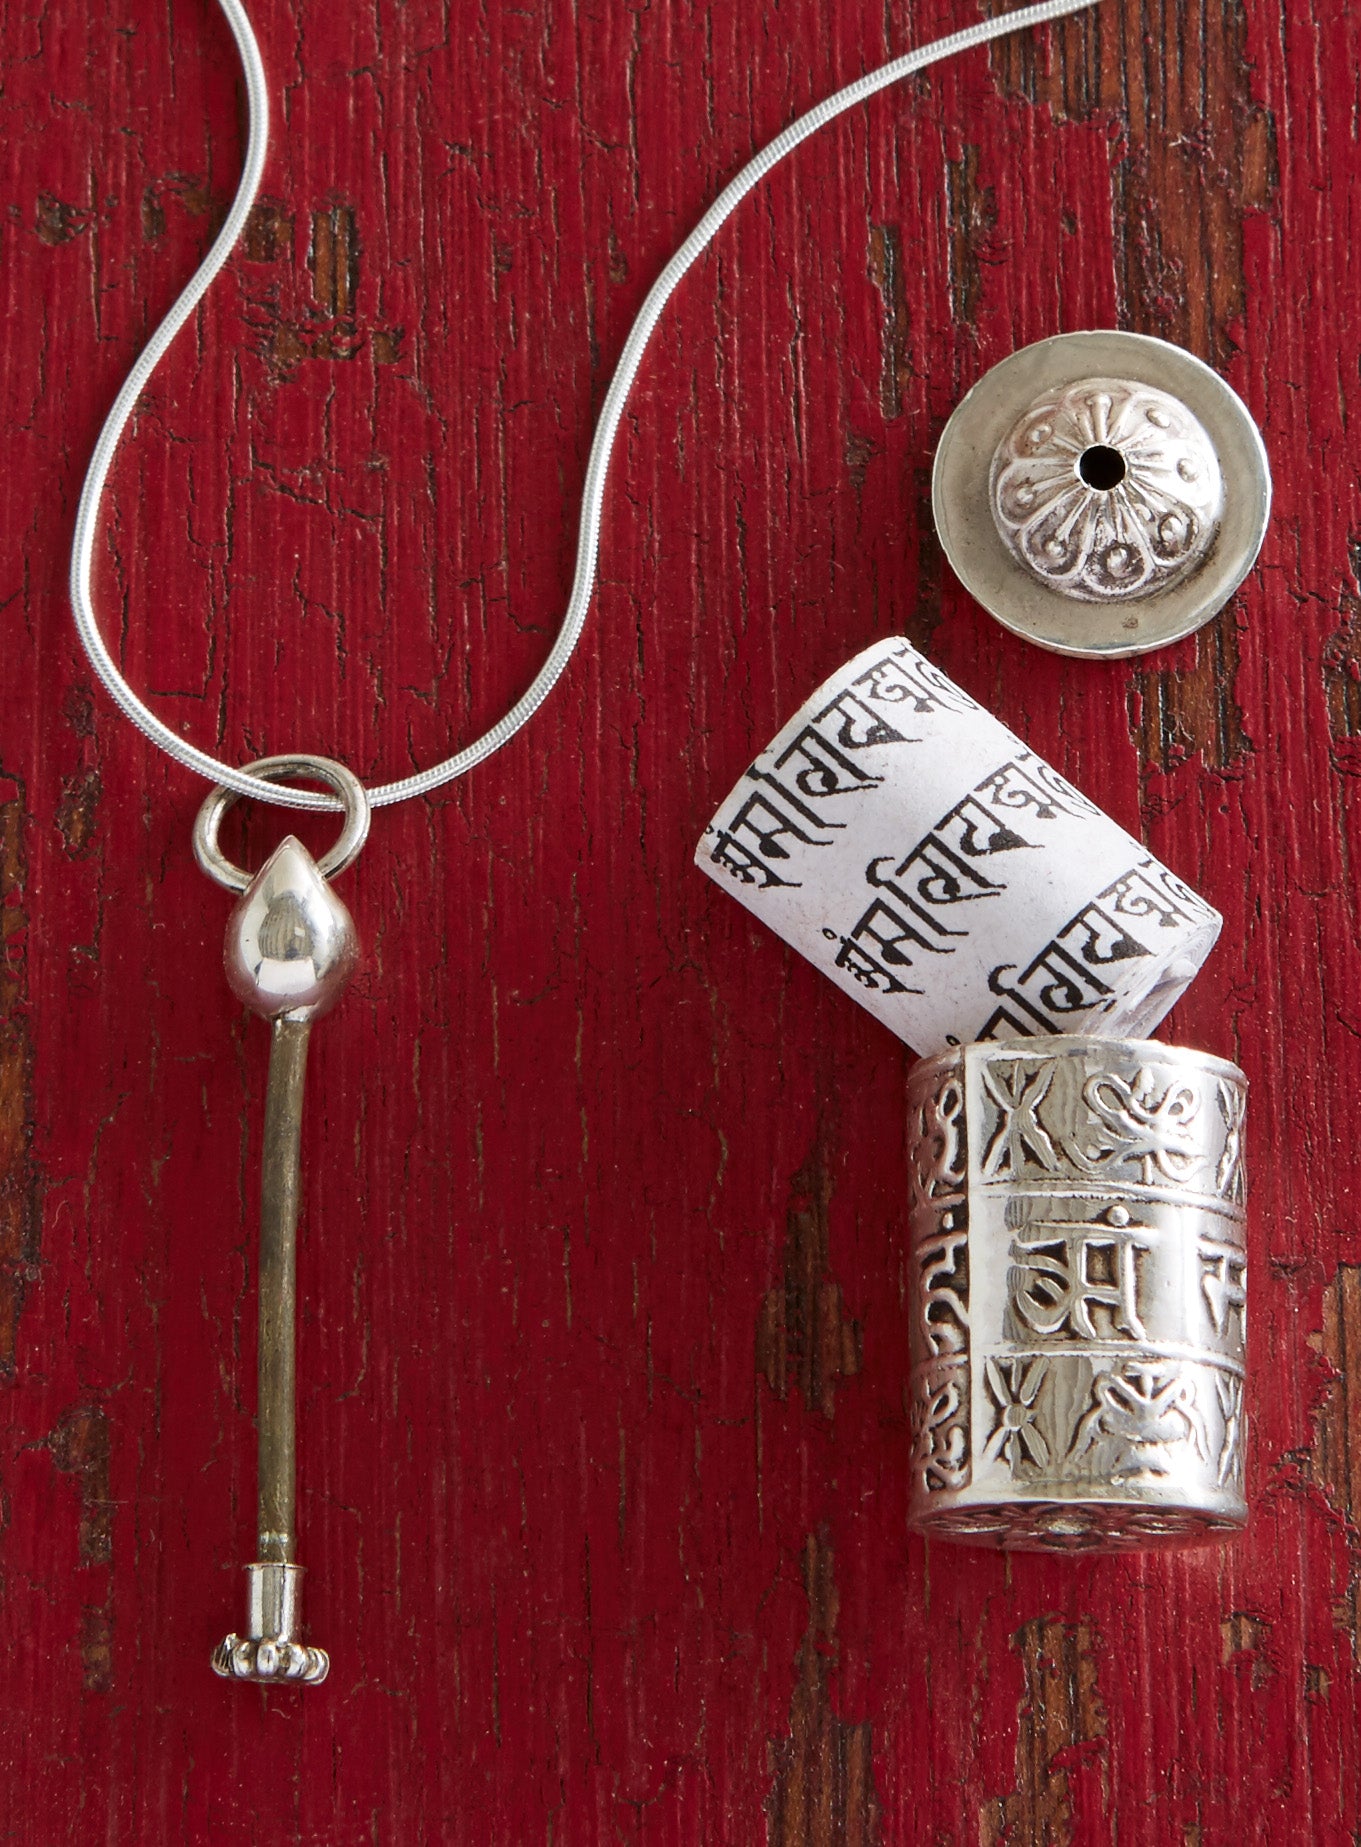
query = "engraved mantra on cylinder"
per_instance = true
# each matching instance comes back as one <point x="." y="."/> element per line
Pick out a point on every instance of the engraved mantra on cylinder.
<point x="1079" y="1285"/>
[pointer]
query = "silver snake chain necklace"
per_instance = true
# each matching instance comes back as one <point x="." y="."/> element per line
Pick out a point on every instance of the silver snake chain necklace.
<point x="291" y="945"/>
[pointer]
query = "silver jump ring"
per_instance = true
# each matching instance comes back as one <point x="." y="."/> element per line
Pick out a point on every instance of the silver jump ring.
<point x="344" y="783"/>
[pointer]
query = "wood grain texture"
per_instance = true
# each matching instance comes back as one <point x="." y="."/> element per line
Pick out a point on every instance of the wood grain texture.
<point x="603" y="1348"/>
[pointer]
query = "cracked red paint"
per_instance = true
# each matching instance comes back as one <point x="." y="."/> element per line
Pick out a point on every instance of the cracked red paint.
<point x="554" y="1513"/>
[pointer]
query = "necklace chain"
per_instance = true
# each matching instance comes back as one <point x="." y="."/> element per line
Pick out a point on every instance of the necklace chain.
<point x="241" y="782"/>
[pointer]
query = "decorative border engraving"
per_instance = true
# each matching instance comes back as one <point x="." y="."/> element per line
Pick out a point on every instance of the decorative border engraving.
<point x="1155" y="1124"/>
<point x="940" y="1163"/>
<point x="1143" y="1411"/>
<point x="1075" y="1526"/>
<point x="940" y="1426"/>
<point x="942" y="1265"/>
<point x="1014" y="1388"/>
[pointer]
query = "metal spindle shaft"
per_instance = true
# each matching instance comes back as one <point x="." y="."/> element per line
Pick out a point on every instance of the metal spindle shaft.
<point x="280" y="1187"/>
<point x="270" y="1650"/>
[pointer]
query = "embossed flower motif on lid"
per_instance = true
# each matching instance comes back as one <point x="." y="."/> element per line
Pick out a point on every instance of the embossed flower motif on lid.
<point x="1107" y="490"/>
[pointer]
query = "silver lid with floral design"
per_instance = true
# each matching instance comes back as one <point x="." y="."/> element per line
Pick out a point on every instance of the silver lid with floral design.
<point x="1101" y="493"/>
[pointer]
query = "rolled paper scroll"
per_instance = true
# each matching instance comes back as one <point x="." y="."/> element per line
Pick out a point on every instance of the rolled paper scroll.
<point x="909" y="845"/>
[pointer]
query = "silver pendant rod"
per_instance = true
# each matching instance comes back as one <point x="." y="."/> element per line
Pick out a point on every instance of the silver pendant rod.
<point x="278" y="1292"/>
<point x="270" y="1651"/>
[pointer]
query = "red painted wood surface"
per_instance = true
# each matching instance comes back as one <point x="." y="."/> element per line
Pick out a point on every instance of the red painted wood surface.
<point x="603" y="1348"/>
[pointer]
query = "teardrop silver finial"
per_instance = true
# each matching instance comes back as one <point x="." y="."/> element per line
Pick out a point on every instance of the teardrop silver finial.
<point x="291" y="945"/>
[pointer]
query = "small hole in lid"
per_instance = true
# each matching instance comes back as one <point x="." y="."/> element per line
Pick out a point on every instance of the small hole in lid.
<point x="1101" y="467"/>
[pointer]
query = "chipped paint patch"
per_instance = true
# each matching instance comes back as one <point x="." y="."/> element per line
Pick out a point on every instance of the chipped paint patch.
<point x="56" y="222"/>
<point x="1245" y="1638"/>
<point x="77" y="812"/>
<point x="823" y="1788"/>
<point x="804" y="1337"/>
<point x="886" y="273"/>
<point x="973" y="220"/>
<point x="80" y="1446"/>
<point x="1332" y="1461"/>
<point x="311" y="310"/>
<point x="1062" y="1733"/>
<point x="18" y="1176"/>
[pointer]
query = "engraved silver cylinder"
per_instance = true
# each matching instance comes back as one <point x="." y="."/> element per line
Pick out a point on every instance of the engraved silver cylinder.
<point x="1078" y="1276"/>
